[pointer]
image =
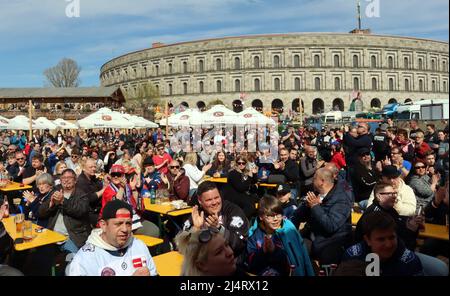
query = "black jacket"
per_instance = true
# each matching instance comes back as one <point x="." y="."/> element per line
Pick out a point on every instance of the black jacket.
<point x="75" y="211"/>
<point x="363" y="181"/>
<point x="436" y="215"/>
<point x="235" y="226"/>
<point x="291" y="171"/>
<point x="90" y="186"/>
<point x="6" y="243"/>
<point x="353" y="144"/>
<point x="381" y="147"/>
<point x="330" y="221"/>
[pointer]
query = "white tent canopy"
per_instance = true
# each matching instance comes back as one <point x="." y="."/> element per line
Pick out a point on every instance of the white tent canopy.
<point x="3" y="123"/>
<point x="253" y="117"/>
<point x="20" y="122"/>
<point x="188" y="117"/>
<point x="104" y="118"/>
<point x="63" y="124"/>
<point x="44" y="123"/>
<point x="139" y="122"/>
<point x="219" y="114"/>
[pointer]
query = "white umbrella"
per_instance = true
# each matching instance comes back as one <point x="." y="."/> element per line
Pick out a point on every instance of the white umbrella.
<point x="139" y="122"/>
<point x="219" y="114"/>
<point x="104" y="118"/>
<point x="44" y="123"/>
<point x="61" y="123"/>
<point x="3" y="122"/>
<point x="188" y="117"/>
<point x="251" y="116"/>
<point x="20" y="122"/>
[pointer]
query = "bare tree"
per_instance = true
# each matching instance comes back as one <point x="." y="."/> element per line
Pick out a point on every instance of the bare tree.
<point x="64" y="74"/>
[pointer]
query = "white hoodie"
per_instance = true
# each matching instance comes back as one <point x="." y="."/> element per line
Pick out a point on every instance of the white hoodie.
<point x="98" y="258"/>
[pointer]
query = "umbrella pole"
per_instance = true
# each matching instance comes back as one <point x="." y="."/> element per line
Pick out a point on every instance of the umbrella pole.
<point x="30" y="115"/>
<point x="167" y="118"/>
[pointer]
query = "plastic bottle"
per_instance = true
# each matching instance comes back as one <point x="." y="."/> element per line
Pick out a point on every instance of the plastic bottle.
<point x="152" y="195"/>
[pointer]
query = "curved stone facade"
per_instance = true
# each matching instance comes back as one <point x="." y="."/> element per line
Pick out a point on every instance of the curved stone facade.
<point x="321" y="69"/>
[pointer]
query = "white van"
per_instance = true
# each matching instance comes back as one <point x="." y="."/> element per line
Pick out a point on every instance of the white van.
<point x="423" y="110"/>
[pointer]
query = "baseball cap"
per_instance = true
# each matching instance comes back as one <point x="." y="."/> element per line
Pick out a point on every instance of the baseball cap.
<point x="362" y="151"/>
<point x="111" y="208"/>
<point x="148" y="161"/>
<point x="390" y="171"/>
<point x="117" y="168"/>
<point x="283" y="189"/>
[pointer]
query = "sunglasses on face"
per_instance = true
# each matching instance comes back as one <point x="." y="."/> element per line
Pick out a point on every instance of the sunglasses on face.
<point x="116" y="175"/>
<point x="174" y="166"/>
<point x="74" y="156"/>
<point x="241" y="163"/>
<point x="20" y="158"/>
<point x="389" y="193"/>
<point x="419" y="167"/>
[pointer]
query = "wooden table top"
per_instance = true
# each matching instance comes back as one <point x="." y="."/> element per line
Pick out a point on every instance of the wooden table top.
<point x="13" y="186"/>
<point x="169" y="264"/>
<point x="225" y="180"/>
<point x="46" y="237"/>
<point x="431" y="230"/>
<point x="149" y="241"/>
<point x="165" y="209"/>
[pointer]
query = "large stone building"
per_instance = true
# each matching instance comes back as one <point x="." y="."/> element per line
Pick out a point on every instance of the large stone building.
<point x="321" y="70"/>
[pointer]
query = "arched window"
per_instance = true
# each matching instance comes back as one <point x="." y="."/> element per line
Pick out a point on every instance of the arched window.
<point x="356" y="83"/>
<point x="200" y="66"/>
<point x="391" y="84"/>
<point x="433" y="85"/>
<point x="373" y="61"/>
<point x="257" y="85"/>
<point x="277" y="84"/>
<point x="408" y="101"/>
<point x="170" y="68"/>
<point x="185" y="88"/>
<point x="185" y="69"/>
<point x="277" y="105"/>
<point x="237" y="63"/>
<point x="297" y="83"/>
<point x="338" y="105"/>
<point x="433" y="64"/>
<point x="237" y="106"/>
<point x="157" y="70"/>
<point x="201" y="105"/>
<point x="420" y="85"/>
<point x="218" y="64"/>
<point x="296" y="105"/>
<point x="337" y="63"/>
<point x="201" y="87"/>
<point x="444" y="66"/>
<point x="337" y="83"/>
<point x="219" y="86"/>
<point x="406" y="84"/>
<point x="355" y="61"/>
<point x="297" y="61"/>
<point x="316" y="61"/>
<point x="276" y="61"/>
<point x="318" y="106"/>
<point x="444" y="86"/>
<point x="392" y="101"/>
<point x="237" y="85"/>
<point x="375" y="103"/>
<point x="157" y="89"/>
<point x="420" y="64"/>
<point x="405" y="63"/>
<point x="317" y="83"/>
<point x="256" y="62"/>
<point x="258" y="105"/>
<point x="374" y="84"/>
<point x="390" y="62"/>
<point x="170" y="89"/>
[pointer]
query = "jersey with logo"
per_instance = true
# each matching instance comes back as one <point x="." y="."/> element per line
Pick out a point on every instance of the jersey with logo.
<point x="91" y="260"/>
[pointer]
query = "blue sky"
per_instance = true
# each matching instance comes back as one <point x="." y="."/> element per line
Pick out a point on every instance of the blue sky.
<point x="36" y="34"/>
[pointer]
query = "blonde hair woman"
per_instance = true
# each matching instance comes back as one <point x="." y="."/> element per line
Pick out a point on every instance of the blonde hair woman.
<point x="192" y="171"/>
<point x="206" y="253"/>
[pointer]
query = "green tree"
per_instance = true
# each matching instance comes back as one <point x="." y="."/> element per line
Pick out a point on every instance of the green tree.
<point x="145" y="97"/>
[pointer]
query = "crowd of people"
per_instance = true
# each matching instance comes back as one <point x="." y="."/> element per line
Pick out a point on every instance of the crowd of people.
<point x="90" y="187"/>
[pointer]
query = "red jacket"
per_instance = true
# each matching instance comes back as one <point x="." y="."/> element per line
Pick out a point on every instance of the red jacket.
<point x="179" y="189"/>
<point x="339" y="160"/>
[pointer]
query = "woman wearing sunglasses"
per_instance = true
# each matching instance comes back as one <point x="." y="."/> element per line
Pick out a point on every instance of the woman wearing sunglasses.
<point x="237" y="190"/>
<point x="424" y="187"/>
<point x="206" y="253"/>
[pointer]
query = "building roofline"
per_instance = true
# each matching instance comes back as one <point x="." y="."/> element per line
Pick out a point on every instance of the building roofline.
<point x="271" y="35"/>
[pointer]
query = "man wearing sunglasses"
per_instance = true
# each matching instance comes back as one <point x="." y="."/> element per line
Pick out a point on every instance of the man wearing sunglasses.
<point x="18" y="168"/>
<point x="212" y="211"/>
<point x="176" y="181"/>
<point x="162" y="159"/>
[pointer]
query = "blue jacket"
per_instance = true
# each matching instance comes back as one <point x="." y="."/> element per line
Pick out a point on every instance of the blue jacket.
<point x="19" y="141"/>
<point x="289" y="250"/>
<point x="330" y="221"/>
<point x="403" y="262"/>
